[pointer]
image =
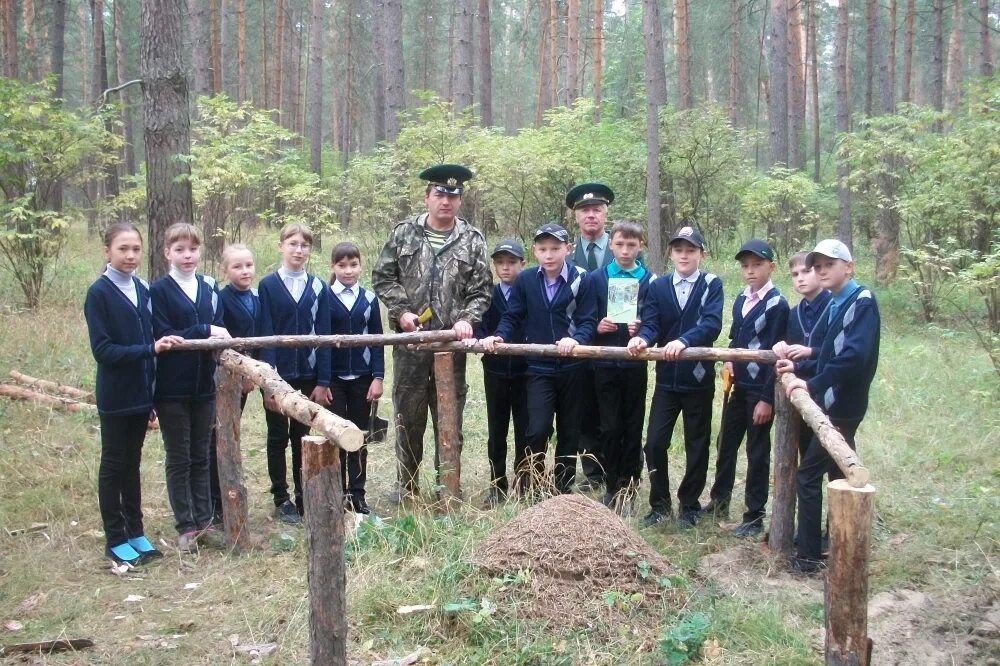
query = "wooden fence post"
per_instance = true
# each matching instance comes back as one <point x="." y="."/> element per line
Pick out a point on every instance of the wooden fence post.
<point x="846" y="595"/>
<point x="449" y="454"/>
<point x="786" y="461"/>
<point x="229" y="390"/>
<point x="324" y="514"/>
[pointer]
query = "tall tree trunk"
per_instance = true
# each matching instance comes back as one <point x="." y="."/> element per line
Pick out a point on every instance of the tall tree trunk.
<point x="656" y="95"/>
<point x="264" y="95"/>
<point x="485" y="65"/>
<point x="953" y="83"/>
<point x="395" y="101"/>
<point x="814" y="83"/>
<point x="126" y="94"/>
<point x="463" y="55"/>
<point x="870" y="7"/>
<point x="167" y="123"/>
<point x="937" y="56"/>
<point x="199" y="22"/>
<point x="734" y="61"/>
<point x="315" y="123"/>
<point x="379" y="29"/>
<point x="86" y="33"/>
<point x="553" y="53"/>
<point x="241" y="51"/>
<point x="30" y="46"/>
<point x="572" y="50"/>
<point x="892" y="49"/>
<point x="598" y="56"/>
<point x="887" y="235"/>
<point x="542" y="91"/>
<point x="796" y="86"/>
<point x="985" y="50"/>
<point x="100" y="59"/>
<point x="278" y="65"/>
<point x="841" y="57"/>
<point x="908" y="34"/>
<point x="58" y="60"/>
<point x="347" y="97"/>
<point x="681" y="33"/>
<point x="215" y="41"/>
<point x="294" y="94"/>
<point x="778" y="82"/>
<point x="8" y="11"/>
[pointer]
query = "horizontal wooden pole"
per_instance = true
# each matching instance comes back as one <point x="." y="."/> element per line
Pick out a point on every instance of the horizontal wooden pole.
<point x="846" y="458"/>
<point x="53" y="387"/>
<point x="723" y="354"/>
<point x="45" y="400"/>
<point x="293" y="404"/>
<point x="343" y="341"/>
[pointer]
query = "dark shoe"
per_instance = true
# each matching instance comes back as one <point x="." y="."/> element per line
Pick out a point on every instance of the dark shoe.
<point x="654" y="517"/>
<point x="590" y="485"/>
<point x="718" y="509"/>
<point x="688" y="518"/>
<point x="188" y="542"/>
<point x="146" y="550"/>
<point x="400" y="494"/>
<point x="749" y="530"/>
<point x="288" y="513"/>
<point x="359" y="505"/>
<point x="212" y="538"/>
<point x="805" y="566"/>
<point x="494" y="497"/>
<point x="608" y="499"/>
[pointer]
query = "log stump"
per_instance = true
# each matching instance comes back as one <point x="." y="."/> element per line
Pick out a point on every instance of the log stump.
<point x="449" y="451"/>
<point x="786" y="462"/>
<point x="229" y="391"/>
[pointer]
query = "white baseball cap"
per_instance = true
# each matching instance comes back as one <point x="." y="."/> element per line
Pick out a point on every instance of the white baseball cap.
<point x="829" y="247"/>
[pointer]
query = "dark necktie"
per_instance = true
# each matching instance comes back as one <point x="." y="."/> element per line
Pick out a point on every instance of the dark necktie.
<point x="592" y="257"/>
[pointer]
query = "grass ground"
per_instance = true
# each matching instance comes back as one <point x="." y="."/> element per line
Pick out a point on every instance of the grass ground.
<point x="930" y="439"/>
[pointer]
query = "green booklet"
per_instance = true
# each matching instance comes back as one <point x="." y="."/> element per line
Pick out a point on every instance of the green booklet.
<point x="623" y="299"/>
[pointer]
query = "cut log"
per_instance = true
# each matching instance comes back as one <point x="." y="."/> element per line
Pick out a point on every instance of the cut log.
<point x="293" y="404"/>
<point x="44" y="400"/>
<point x="46" y="647"/>
<point x="53" y="387"/>
<point x="324" y="500"/>
<point x="587" y="351"/>
<point x="339" y="341"/>
<point x="846" y="458"/>
<point x="786" y="461"/>
<point x="450" y="454"/>
<point x="846" y="593"/>
<point x="228" y="392"/>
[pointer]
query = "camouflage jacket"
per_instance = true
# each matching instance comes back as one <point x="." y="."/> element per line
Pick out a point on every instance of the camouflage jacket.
<point x="457" y="284"/>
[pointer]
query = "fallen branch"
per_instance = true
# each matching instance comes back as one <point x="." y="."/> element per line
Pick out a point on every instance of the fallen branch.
<point x="293" y="404"/>
<point x="713" y="354"/>
<point x="52" y="387"/>
<point x="53" y="402"/>
<point x="46" y="647"/>
<point x="846" y="458"/>
<point x="340" y="341"/>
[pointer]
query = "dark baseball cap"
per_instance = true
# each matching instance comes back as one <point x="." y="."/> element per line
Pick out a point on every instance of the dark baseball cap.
<point x="757" y="247"/>
<point x="554" y="230"/>
<point x="509" y="246"/>
<point x="688" y="235"/>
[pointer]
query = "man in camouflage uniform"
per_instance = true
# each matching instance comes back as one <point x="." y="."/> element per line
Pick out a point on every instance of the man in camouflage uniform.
<point x="432" y="274"/>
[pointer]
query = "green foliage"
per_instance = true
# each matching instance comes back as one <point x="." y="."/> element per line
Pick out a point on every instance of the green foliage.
<point x="682" y="640"/>
<point x="783" y="205"/>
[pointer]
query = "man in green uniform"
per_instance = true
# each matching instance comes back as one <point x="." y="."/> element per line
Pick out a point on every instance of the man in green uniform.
<point x="432" y="274"/>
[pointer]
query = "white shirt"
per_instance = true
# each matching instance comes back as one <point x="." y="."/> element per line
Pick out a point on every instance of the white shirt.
<point x="295" y="282"/>
<point x="683" y="286"/>
<point x="188" y="282"/>
<point x="347" y="295"/>
<point x="124" y="282"/>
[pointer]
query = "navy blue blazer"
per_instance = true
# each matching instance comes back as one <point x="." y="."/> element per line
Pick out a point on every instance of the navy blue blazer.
<point x="239" y="321"/>
<point x="363" y="318"/>
<point x="763" y="326"/>
<point x="282" y="315"/>
<point x="504" y="366"/>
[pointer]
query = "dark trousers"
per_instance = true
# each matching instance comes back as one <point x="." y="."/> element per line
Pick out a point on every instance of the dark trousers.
<point x="552" y="395"/>
<point x="213" y="466"/>
<point x="282" y="431"/>
<point x="809" y="487"/>
<point x="350" y="400"/>
<point x="590" y="442"/>
<point x="666" y="406"/>
<point x="506" y="399"/>
<point x="621" y="399"/>
<point x="119" y="492"/>
<point x="737" y="422"/>
<point x="186" y="427"/>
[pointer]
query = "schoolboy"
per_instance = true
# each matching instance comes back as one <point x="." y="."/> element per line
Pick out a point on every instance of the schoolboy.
<point x="845" y="367"/>
<point x="503" y="376"/>
<point x="556" y="305"/>
<point x="683" y="309"/>
<point x="760" y="315"/>
<point x="621" y="385"/>
<point x="357" y="374"/>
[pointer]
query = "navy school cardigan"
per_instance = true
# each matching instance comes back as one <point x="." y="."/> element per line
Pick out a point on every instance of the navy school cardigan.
<point x="239" y="321"/>
<point x="185" y="375"/>
<point x="363" y="318"/>
<point x="809" y="329"/>
<point x="121" y="339"/>
<point x="698" y="324"/>
<point x="572" y="313"/>
<point x="282" y="315"/>
<point x="620" y="337"/>
<point x="763" y="326"/>
<point x="508" y="367"/>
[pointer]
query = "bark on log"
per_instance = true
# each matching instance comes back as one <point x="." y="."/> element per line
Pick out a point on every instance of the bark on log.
<point x="53" y="402"/>
<point x="52" y="387"/>
<point x="586" y="351"/>
<point x="831" y="439"/>
<point x="786" y="460"/>
<point x="340" y="341"/>
<point x="846" y="591"/>
<point x="450" y="455"/>
<point x="229" y="390"/>
<point x="46" y="647"/>
<point x="324" y="500"/>
<point x="293" y="404"/>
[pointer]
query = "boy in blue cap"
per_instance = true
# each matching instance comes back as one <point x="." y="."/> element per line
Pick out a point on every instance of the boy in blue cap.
<point x="760" y="316"/>
<point x="556" y="305"/>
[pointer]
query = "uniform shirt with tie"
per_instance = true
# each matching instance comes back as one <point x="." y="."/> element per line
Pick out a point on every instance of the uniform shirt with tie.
<point x="294" y="281"/>
<point x="684" y="285"/>
<point x="348" y="296"/>
<point x="594" y="250"/>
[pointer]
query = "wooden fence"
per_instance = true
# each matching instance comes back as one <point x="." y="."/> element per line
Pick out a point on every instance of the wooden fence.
<point x="851" y="500"/>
